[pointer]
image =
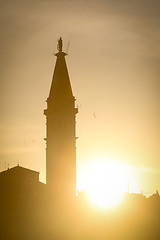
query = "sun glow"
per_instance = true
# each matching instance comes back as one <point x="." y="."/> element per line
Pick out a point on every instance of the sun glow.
<point x="106" y="182"/>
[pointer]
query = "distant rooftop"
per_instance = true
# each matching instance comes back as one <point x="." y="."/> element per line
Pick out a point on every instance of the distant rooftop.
<point x="17" y="168"/>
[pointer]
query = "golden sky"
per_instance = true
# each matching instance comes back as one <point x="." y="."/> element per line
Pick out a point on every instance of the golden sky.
<point x="113" y="62"/>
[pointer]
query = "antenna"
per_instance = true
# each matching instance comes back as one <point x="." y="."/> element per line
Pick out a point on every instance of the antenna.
<point x="68" y="44"/>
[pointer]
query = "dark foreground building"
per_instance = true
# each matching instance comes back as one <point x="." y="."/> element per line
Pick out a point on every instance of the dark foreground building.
<point x="18" y="183"/>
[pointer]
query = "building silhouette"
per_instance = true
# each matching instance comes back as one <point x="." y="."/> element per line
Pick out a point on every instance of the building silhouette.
<point x="20" y="190"/>
<point x="18" y="184"/>
<point x="60" y="133"/>
<point x="19" y="181"/>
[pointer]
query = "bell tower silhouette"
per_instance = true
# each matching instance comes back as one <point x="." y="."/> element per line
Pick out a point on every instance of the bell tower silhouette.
<point x="60" y="133"/>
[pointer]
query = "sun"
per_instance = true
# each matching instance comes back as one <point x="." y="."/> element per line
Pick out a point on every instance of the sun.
<point x="106" y="182"/>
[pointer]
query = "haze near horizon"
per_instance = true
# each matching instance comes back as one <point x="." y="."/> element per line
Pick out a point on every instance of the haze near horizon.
<point x="113" y="62"/>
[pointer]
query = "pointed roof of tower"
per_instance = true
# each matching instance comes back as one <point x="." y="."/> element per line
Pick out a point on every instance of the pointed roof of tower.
<point x="60" y="87"/>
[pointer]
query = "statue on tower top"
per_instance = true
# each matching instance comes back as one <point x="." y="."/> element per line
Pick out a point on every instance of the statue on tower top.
<point x="60" y="45"/>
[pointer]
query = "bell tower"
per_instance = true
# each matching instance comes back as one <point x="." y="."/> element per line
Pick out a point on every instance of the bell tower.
<point x="60" y="132"/>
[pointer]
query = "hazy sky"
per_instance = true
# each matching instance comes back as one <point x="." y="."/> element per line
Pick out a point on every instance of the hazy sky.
<point x="113" y="62"/>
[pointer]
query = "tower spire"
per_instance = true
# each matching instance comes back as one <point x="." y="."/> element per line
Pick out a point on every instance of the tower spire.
<point x="61" y="86"/>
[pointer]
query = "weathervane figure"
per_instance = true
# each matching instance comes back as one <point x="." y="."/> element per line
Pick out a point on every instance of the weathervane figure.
<point x="60" y="45"/>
